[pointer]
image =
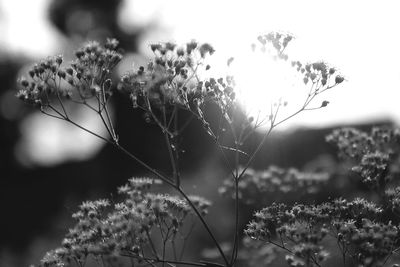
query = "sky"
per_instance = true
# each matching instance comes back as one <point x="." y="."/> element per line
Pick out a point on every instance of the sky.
<point x="359" y="38"/>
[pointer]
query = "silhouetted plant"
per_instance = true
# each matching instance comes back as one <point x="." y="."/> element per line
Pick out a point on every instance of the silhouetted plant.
<point x="150" y="228"/>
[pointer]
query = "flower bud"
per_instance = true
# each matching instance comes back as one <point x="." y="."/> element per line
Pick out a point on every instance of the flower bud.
<point x="53" y="68"/>
<point x="21" y="94"/>
<point x="324" y="103"/>
<point x="95" y="89"/>
<point x="24" y="82"/>
<point x="180" y="52"/>
<point x="135" y="249"/>
<point x="70" y="71"/>
<point x="79" y="53"/>
<point x="61" y="74"/>
<point x="59" y="59"/>
<point x="339" y="79"/>
<point x="31" y="73"/>
<point x="107" y="84"/>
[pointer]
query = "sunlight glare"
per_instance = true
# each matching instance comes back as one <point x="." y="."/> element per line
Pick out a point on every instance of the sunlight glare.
<point x="262" y="81"/>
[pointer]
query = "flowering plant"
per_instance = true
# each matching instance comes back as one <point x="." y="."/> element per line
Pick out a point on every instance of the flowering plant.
<point x="149" y="228"/>
<point x="365" y="232"/>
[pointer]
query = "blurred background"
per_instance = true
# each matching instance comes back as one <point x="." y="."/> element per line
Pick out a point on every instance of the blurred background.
<point x="47" y="167"/>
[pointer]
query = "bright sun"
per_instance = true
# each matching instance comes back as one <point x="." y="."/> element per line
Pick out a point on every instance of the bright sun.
<point x="262" y="81"/>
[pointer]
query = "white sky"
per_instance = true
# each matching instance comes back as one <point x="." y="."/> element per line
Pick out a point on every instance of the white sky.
<point x="359" y="37"/>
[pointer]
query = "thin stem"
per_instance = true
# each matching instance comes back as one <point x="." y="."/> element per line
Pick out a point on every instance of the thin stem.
<point x="149" y="109"/>
<point x="172" y="159"/>
<point x="115" y="144"/>
<point x="236" y="178"/>
<point x="184" y="126"/>
<point x="281" y="246"/>
<point x="204" y="224"/>
<point x="252" y="157"/>
<point x="58" y="96"/>
<point x="176" y="144"/>
<point x="174" y="248"/>
<point x="152" y="170"/>
<point x="163" y="252"/>
<point x="153" y="248"/>
<point x="51" y="115"/>
<point x="114" y="136"/>
<point x="105" y="124"/>
<point x="87" y="130"/>
<point x="171" y="156"/>
<point x="166" y="261"/>
<point x="172" y="117"/>
<point x="87" y="105"/>
<point x="163" y="178"/>
<point x="236" y="238"/>
<point x="185" y="239"/>
<point x="59" y="113"/>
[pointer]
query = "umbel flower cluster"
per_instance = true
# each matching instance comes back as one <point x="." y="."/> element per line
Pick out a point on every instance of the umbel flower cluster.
<point x="129" y="229"/>
<point x="367" y="233"/>
<point x="85" y="75"/>
<point x="148" y="228"/>
<point x="301" y="229"/>
<point x="274" y="179"/>
<point x="376" y="154"/>
<point x="173" y="80"/>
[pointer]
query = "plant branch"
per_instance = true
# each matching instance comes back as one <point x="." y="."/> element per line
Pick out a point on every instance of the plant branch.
<point x="204" y="224"/>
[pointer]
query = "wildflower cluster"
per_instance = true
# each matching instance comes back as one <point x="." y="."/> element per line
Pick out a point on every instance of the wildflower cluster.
<point x="150" y="228"/>
<point x="376" y="154"/>
<point x="369" y="243"/>
<point x="301" y="229"/>
<point x="170" y="78"/>
<point x="257" y="183"/>
<point x="87" y="75"/>
<point x="85" y="81"/>
<point x="128" y="229"/>
<point x="279" y="42"/>
<point x="318" y="73"/>
<point x="43" y="83"/>
<point x="363" y="231"/>
<point x="257" y="253"/>
<point x="175" y="79"/>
